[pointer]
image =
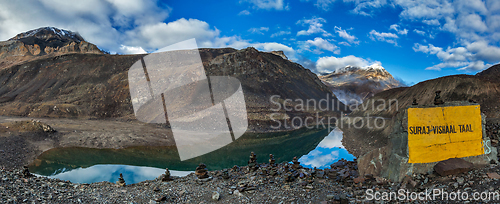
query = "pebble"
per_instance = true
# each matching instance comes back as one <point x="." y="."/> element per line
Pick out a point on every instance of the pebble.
<point x="215" y="196"/>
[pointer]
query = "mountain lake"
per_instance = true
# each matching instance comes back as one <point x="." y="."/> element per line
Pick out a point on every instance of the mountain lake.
<point x="314" y="148"/>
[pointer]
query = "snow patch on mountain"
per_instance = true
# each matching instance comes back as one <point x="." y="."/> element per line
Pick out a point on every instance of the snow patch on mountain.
<point x="47" y="32"/>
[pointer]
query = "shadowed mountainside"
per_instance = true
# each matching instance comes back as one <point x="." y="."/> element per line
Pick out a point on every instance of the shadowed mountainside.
<point x="79" y="85"/>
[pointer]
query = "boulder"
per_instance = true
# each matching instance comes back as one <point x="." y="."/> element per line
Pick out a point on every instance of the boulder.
<point x="453" y="166"/>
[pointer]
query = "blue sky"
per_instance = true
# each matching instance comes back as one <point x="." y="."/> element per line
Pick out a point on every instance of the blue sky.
<point x="413" y="40"/>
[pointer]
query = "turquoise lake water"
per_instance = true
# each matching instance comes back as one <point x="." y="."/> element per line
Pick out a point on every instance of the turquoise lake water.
<point x="314" y="148"/>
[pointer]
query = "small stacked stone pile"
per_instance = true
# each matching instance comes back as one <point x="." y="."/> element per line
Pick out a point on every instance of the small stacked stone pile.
<point x="438" y="100"/>
<point x="121" y="181"/>
<point x="272" y="164"/>
<point x="26" y="172"/>
<point x="201" y="171"/>
<point x="296" y="163"/>
<point x="166" y="176"/>
<point x="225" y="174"/>
<point x="272" y="161"/>
<point x="414" y="102"/>
<point x="252" y="163"/>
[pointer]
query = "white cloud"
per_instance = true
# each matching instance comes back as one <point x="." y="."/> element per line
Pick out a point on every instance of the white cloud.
<point x="319" y="158"/>
<point x="429" y="9"/>
<point x="273" y="46"/>
<point x="330" y="64"/>
<point x="366" y="7"/>
<point x="419" y="32"/>
<point x="396" y="28"/>
<point x="244" y="13"/>
<point x="387" y="37"/>
<point x="258" y="30"/>
<point x="131" y="50"/>
<point x="448" y="55"/>
<point x="268" y="4"/>
<point x="345" y="35"/>
<point x="470" y="6"/>
<point x="434" y="22"/>
<point x="158" y="35"/>
<point x="493" y="5"/>
<point x="98" y="21"/>
<point x="320" y="44"/>
<point x="473" y="22"/>
<point x="334" y="139"/>
<point x="494" y="22"/>
<point x="345" y="43"/>
<point x="484" y="52"/>
<point x="361" y="7"/>
<point x="280" y="33"/>
<point x="324" y="4"/>
<point x="315" y="26"/>
<point x="127" y="27"/>
<point x="469" y="58"/>
<point x="475" y="66"/>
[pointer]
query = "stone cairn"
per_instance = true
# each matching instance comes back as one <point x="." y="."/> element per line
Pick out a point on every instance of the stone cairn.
<point x="26" y="172"/>
<point x="121" y="181"/>
<point x="272" y="161"/>
<point x="252" y="163"/>
<point x="166" y="176"/>
<point x="225" y="174"/>
<point x="296" y="163"/>
<point x="201" y="171"/>
<point x="438" y="100"/>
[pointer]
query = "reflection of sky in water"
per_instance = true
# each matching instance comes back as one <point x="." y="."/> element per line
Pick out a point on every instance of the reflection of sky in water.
<point x="328" y="151"/>
<point x="111" y="173"/>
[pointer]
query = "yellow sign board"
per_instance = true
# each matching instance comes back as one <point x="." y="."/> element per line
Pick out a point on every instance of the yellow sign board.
<point x="440" y="133"/>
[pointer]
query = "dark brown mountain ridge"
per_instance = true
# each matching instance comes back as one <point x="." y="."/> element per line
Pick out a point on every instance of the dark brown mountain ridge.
<point x="75" y="83"/>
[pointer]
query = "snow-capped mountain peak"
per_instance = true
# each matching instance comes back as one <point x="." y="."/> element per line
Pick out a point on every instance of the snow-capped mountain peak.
<point x="359" y="83"/>
<point x="47" y="33"/>
<point x="375" y="66"/>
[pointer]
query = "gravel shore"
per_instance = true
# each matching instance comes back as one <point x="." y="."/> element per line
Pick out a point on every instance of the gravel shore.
<point x="283" y="183"/>
<point x="338" y="184"/>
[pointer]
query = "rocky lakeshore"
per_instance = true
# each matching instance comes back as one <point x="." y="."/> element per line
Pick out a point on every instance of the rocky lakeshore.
<point x="256" y="183"/>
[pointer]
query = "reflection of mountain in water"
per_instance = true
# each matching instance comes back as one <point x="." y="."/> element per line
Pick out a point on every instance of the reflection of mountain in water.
<point x="284" y="146"/>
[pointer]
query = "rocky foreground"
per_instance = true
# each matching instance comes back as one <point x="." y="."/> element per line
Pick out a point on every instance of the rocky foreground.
<point x="284" y="183"/>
